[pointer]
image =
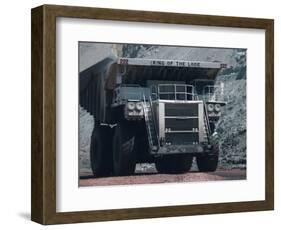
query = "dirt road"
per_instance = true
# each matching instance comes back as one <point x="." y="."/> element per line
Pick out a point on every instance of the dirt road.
<point x="148" y="178"/>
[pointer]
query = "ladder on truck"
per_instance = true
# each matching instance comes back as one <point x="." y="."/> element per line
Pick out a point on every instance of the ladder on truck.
<point x="207" y="127"/>
<point x="151" y="128"/>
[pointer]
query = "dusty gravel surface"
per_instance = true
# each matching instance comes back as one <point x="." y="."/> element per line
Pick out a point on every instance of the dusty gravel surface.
<point x="150" y="178"/>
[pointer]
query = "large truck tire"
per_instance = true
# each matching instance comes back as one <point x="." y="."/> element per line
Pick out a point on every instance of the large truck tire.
<point x="101" y="151"/>
<point x="209" y="162"/>
<point x="124" y="156"/>
<point x="174" y="164"/>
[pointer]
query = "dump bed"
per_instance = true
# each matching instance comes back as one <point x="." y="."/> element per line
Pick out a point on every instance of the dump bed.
<point x="139" y="70"/>
<point x="96" y="81"/>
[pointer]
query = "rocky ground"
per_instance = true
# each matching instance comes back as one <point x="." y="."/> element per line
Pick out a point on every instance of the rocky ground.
<point x="231" y="128"/>
<point x="154" y="177"/>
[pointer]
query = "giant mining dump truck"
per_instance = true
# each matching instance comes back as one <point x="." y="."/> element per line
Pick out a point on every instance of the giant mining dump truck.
<point x="152" y="110"/>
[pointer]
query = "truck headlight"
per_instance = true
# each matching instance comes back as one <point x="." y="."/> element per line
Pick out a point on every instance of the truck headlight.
<point x="217" y="107"/>
<point x="139" y="106"/>
<point x="131" y="105"/>
<point x="210" y="107"/>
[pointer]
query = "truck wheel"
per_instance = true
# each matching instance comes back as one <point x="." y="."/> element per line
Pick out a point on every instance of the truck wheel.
<point x="208" y="163"/>
<point x="124" y="157"/>
<point x="174" y="164"/>
<point x="101" y="151"/>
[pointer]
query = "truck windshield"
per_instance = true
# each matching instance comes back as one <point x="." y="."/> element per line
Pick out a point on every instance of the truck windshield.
<point x="210" y="92"/>
<point x="214" y="93"/>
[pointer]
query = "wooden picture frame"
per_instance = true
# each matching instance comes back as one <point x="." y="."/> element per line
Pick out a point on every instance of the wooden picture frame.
<point x="43" y="207"/>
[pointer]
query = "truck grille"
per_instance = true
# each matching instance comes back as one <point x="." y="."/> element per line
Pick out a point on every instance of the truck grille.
<point x="182" y="138"/>
<point x="181" y="123"/>
<point x="183" y="109"/>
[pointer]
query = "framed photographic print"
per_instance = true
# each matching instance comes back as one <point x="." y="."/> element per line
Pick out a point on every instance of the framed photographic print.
<point x="141" y="114"/>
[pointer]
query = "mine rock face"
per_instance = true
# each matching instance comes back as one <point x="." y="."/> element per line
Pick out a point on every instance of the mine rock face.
<point x="231" y="127"/>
